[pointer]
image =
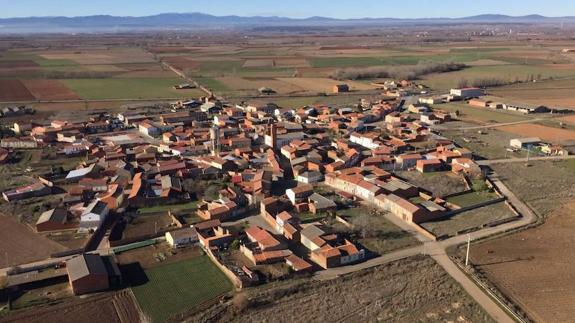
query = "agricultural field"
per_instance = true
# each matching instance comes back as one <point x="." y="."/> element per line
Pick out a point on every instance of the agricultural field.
<point x="119" y="307"/>
<point x="179" y="287"/>
<point x="90" y="73"/>
<point x="129" y="88"/>
<point x="378" y="294"/>
<point x="510" y="73"/>
<point x="552" y="93"/>
<point x="21" y="245"/>
<point x="50" y="90"/>
<point x="469" y="220"/>
<point x="482" y="115"/>
<point x="534" y="268"/>
<point x="551" y="134"/>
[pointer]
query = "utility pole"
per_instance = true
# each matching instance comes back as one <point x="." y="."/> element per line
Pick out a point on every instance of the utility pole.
<point x="468" y="245"/>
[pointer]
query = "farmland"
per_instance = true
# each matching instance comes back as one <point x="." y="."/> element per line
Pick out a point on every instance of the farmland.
<point x="533" y="267"/>
<point x="555" y="135"/>
<point x="381" y="293"/>
<point x="117" y="307"/>
<point x="128" y="88"/>
<point x="177" y="287"/>
<point x="20" y="244"/>
<point x="482" y="115"/>
<point x="554" y="93"/>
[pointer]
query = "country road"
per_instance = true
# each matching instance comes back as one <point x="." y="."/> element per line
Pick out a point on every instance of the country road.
<point x="523" y="160"/>
<point x="437" y="250"/>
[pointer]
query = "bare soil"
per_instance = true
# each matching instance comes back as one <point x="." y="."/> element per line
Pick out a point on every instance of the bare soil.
<point x="534" y="268"/>
<point x="410" y="290"/>
<point x="19" y="244"/>
<point x="554" y="135"/>
<point x="119" y="307"/>
<point x="14" y="90"/>
<point x="47" y="90"/>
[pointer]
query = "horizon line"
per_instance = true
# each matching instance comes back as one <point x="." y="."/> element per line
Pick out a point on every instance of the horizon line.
<point x="282" y="16"/>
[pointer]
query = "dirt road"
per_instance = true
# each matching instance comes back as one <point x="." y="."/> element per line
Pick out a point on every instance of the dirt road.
<point x="523" y="160"/>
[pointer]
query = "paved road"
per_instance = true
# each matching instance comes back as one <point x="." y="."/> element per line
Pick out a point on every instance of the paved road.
<point x="488" y="304"/>
<point x="384" y="259"/>
<point x="523" y="160"/>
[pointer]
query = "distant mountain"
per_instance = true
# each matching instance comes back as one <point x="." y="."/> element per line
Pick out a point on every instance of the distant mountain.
<point x="174" y="21"/>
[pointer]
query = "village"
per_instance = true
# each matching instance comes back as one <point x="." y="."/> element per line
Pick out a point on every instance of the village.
<point x="266" y="192"/>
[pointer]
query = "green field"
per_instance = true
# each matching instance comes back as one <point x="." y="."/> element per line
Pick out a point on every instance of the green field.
<point x="483" y="115"/>
<point x="169" y="207"/>
<point x="128" y="88"/>
<point x="472" y="198"/>
<point x="180" y="286"/>
<point x="213" y="84"/>
<point x="510" y="73"/>
<point x="474" y="219"/>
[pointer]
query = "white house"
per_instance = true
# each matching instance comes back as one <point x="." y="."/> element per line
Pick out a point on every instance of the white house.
<point x="368" y="140"/>
<point x="521" y="143"/>
<point x="182" y="237"/>
<point x="94" y="215"/>
<point x="310" y="177"/>
<point x="468" y="92"/>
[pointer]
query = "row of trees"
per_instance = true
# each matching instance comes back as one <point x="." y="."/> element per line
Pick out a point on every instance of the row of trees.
<point x="410" y="72"/>
<point x="496" y="81"/>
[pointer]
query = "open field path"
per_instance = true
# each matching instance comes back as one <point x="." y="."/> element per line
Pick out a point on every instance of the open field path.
<point x="523" y="160"/>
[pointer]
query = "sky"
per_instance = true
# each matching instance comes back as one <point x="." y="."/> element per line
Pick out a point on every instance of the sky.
<point x="288" y="8"/>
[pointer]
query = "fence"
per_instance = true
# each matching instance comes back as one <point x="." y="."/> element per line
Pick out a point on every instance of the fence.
<point x="133" y="246"/>
<point x="238" y="283"/>
<point x="503" y="303"/>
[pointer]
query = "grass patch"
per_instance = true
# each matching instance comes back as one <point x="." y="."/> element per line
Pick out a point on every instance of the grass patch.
<point x="479" y="49"/>
<point x="386" y="237"/>
<point x="180" y="286"/>
<point x="482" y="115"/>
<point x="472" y="198"/>
<point x="474" y="219"/>
<point x="213" y="84"/>
<point x="128" y="88"/>
<point x="170" y="207"/>
<point x="220" y="67"/>
<point x="445" y="81"/>
<point x="43" y="296"/>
